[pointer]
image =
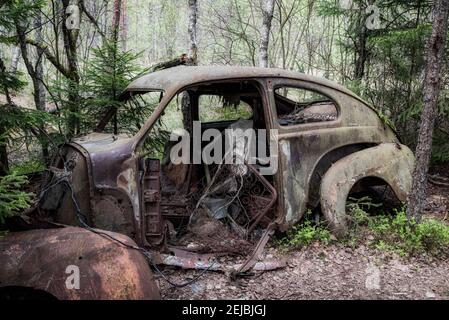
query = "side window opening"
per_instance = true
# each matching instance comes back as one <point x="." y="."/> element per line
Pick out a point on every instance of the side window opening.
<point x="297" y="106"/>
<point x="214" y="108"/>
<point x="230" y="105"/>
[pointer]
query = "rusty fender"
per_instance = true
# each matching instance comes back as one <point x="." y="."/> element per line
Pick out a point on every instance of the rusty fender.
<point x="390" y="162"/>
<point x="39" y="259"/>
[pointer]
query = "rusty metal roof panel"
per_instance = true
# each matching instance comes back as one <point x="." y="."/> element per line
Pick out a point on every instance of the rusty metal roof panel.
<point x="181" y="76"/>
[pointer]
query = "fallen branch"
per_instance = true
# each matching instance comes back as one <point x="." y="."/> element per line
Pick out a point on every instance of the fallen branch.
<point x="439" y="181"/>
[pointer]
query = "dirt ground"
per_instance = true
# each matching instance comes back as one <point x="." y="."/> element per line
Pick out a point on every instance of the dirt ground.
<point x="318" y="272"/>
<point x="329" y="272"/>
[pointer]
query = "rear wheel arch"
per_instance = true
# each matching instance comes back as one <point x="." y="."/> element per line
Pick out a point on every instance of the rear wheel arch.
<point x="325" y="163"/>
<point x="391" y="163"/>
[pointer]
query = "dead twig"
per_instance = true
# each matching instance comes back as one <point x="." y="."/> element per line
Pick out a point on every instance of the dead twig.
<point x="439" y="181"/>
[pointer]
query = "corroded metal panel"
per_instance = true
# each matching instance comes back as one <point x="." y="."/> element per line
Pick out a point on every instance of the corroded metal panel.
<point x="39" y="259"/>
<point x="390" y="162"/>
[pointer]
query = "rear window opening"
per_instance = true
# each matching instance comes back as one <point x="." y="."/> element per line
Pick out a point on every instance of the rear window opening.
<point x="296" y="106"/>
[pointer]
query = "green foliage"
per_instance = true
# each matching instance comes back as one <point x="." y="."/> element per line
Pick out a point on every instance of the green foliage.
<point x="393" y="59"/>
<point x="18" y="119"/>
<point x="386" y="119"/>
<point x="12" y="10"/>
<point x="440" y="147"/>
<point x="405" y="237"/>
<point x="389" y="232"/>
<point x="12" y="197"/>
<point x="305" y="234"/>
<point x="358" y="207"/>
<point x="10" y="81"/>
<point x="28" y="166"/>
<point x="107" y="74"/>
<point x="358" y="218"/>
<point x="395" y="233"/>
<point x="21" y="126"/>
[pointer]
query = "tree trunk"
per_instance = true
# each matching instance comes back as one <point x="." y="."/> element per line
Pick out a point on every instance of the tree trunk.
<point x="4" y="166"/>
<point x="267" y="17"/>
<point x="192" y="30"/>
<point x="39" y="92"/>
<point x="361" y="56"/>
<point x="15" y="59"/>
<point x="192" y="60"/>
<point x="117" y="14"/>
<point x="36" y="74"/>
<point x="123" y="25"/>
<point x="70" y="37"/>
<point x="435" y="52"/>
<point x="360" y="48"/>
<point x="39" y="69"/>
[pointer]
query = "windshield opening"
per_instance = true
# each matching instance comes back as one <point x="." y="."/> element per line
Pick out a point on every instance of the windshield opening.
<point x="127" y="117"/>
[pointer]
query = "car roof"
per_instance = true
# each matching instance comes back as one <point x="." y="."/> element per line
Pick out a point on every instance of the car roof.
<point x="178" y="77"/>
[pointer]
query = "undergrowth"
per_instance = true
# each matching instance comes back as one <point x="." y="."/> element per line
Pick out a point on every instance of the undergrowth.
<point x="29" y="166"/>
<point x="391" y="232"/>
<point x="305" y="234"/>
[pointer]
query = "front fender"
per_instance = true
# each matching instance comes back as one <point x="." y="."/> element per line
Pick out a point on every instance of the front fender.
<point x="390" y="162"/>
<point x="39" y="259"/>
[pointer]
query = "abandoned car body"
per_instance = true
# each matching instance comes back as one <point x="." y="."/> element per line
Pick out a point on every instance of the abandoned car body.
<point x="330" y="144"/>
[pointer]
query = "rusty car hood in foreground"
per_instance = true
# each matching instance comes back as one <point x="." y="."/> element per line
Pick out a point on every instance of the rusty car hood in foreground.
<point x="41" y="259"/>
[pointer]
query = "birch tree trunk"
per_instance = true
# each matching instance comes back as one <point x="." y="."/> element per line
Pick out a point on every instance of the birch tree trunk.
<point x="192" y="60"/>
<point x="124" y="25"/>
<point x="15" y="59"/>
<point x="192" y="30"/>
<point x="267" y="17"/>
<point x="435" y="53"/>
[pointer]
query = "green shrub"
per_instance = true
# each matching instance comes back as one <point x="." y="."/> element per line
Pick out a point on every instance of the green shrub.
<point x="12" y="197"/>
<point x="31" y="165"/>
<point x="397" y="234"/>
<point x="305" y="234"/>
<point x="388" y="232"/>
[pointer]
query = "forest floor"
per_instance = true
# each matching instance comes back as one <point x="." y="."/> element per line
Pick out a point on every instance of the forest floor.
<point x="333" y="271"/>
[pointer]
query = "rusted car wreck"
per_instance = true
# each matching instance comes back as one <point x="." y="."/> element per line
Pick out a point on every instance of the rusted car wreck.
<point x="330" y="143"/>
